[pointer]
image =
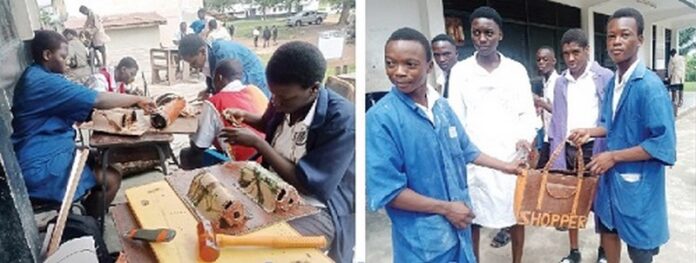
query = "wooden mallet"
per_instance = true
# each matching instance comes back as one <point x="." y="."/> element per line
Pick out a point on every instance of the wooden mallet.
<point x="209" y="243"/>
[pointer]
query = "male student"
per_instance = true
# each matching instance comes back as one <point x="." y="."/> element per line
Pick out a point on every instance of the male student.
<point x="195" y="51"/>
<point x="676" y="71"/>
<point x="578" y="97"/>
<point x="217" y="32"/>
<point x="446" y="55"/>
<point x="183" y="30"/>
<point x="229" y="93"/>
<point x="546" y="66"/>
<point x="77" y="57"/>
<point x="638" y="124"/>
<point x="416" y="156"/>
<point x="492" y="97"/>
<point x="118" y="79"/>
<point x="199" y="25"/>
<point x="310" y="143"/>
<point x="98" y="38"/>
<point x="45" y="107"/>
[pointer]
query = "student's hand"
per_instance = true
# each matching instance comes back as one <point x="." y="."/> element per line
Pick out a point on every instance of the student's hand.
<point x="241" y="136"/>
<point x="147" y="105"/>
<point x="237" y="114"/>
<point x="458" y="214"/>
<point x="579" y="136"/>
<point x="203" y="95"/>
<point x="523" y="144"/>
<point x="601" y="163"/>
<point x="538" y="101"/>
<point x="515" y="167"/>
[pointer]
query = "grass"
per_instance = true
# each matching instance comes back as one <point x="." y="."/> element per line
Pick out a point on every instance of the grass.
<point x="244" y="28"/>
<point x="690" y="86"/>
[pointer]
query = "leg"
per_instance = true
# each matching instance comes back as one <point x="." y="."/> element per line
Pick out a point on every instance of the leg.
<point x="681" y="95"/>
<point x="93" y="203"/>
<point x="475" y="236"/>
<point x="573" y="238"/>
<point x="517" y="235"/>
<point x="612" y="246"/>
<point x="642" y="255"/>
<point x="102" y="50"/>
<point x="574" y="256"/>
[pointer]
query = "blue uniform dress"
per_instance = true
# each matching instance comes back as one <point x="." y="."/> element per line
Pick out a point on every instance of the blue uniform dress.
<point x="45" y="107"/>
<point x="405" y="150"/>
<point x="254" y="72"/>
<point x="631" y="195"/>
<point x="197" y="26"/>
<point x="327" y="170"/>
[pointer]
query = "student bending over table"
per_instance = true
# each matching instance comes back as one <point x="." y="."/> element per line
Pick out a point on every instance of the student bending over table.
<point x="46" y="105"/>
<point x="228" y="93"/>
<point x="310" y="143"/>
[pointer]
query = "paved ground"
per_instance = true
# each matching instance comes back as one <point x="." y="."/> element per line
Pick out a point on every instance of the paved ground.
<point x="549" y="245"/>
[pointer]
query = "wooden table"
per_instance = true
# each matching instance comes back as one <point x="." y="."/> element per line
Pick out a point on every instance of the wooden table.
<point x="107" y="144"/>
<point x="166" y="59"/>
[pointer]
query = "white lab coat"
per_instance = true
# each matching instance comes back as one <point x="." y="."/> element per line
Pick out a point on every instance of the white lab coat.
<point x="496" y="110"/>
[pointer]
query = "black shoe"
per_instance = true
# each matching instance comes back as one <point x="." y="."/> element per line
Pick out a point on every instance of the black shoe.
<point x="573" y="257"/>
<point x="601" y="257"/>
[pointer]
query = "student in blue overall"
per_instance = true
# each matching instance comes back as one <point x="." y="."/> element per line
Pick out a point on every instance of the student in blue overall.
<point x="197" y="26"/>
<point x="195" y="51"/>
<point x="45" y="107"/>
<point x="417" y="153"/>
<point x="638" y="124"/>
<point x="310" y="143"/>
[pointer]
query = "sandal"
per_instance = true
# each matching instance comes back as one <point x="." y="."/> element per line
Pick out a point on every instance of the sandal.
<point x="501" y="239"/>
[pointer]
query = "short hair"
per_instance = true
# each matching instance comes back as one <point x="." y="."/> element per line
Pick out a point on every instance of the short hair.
<point x="630" y="12"/>
<point x="127" y="62"/>
<point x="575" y="35"/>
<point x="190" y="44"/>
<point x="296" y="62"/>
<point x="69" y="31"/>
<point x="672" y="52"/>
<point x="410" y="34"/>
<point x="45" y="40"/>
<point x="212" y="24"/>
<point x="182" y="23"/>
<point x="547" y="47"/>
<point x="487" y="12"/>
<point x="443" y="37"/>
<point x="83" y="8"/>
<point x="230" y="69"/>
<point x="201" y="10"/>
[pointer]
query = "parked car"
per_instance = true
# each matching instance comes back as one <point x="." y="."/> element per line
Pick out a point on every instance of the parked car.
<point x="305" y="18"/>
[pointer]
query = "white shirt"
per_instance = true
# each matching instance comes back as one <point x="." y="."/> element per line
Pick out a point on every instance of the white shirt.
<point x="206" y="65"/>
<point x="619" y="85"/>
<point x="497" y="110"/>
<point x="431" y="97"/>
<point x="219" y="34"/>
<point x="549" y="88"/>
<point x="582" y="100"/>
<point x="210" y="122"/>
<point x="178" y="35"/>
<point x="290" y="141"/>
<point x="256" y="32"/>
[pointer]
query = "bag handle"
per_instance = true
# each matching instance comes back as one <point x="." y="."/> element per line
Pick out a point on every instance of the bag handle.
<point x="545" y="172"/>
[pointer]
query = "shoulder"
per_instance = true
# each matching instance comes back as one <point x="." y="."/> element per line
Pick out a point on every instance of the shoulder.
<point x="383" y="109"/>
<point x="340" y="112"/>
<point x="513" y="65"/>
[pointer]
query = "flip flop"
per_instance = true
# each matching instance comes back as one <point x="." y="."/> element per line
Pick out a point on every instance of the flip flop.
<point x="501" y="239"/>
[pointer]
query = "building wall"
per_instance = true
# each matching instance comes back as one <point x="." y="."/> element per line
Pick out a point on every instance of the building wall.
<point x="174" y="11"/>
<point x="134" y="42"/>
<point x="382" y="20"/>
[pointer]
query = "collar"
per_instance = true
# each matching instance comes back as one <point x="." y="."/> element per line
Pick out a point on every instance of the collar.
<point x="584" y="74"/>
<point x="234" y="86"/>
<point x="552" y="77"/>
<point x="310" y="114"/>
<point x="627" y="75"/>
<point x="503" y="62"/>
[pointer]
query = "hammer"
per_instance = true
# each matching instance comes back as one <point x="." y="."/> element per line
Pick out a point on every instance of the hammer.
<point x="209" y="243"/>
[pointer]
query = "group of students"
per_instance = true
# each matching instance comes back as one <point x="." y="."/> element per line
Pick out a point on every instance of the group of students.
<point x="291" y="123"/>
<point x="266" y="33"/>
<point x="443" y="165"/>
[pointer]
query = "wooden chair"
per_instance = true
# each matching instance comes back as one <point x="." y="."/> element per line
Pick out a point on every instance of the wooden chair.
<point x="342" y="87"/>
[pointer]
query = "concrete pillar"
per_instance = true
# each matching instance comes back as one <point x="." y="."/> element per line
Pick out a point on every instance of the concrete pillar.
<point x="587" y="25"/>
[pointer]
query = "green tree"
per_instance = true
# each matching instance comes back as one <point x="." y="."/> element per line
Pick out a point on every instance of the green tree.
<point x="687" y="40"/>
<point x="691" y="68"/>
<point x="220" y="5"/>
<point x="346" y="5"/>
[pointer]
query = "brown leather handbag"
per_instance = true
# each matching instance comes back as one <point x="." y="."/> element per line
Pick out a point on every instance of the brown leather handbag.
<point x="555" y="198"/>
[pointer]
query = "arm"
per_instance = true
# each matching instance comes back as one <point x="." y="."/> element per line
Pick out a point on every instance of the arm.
<point x="486" y="160"/>
<point x="114" y="100"/>
<point x="456" y="212"/>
